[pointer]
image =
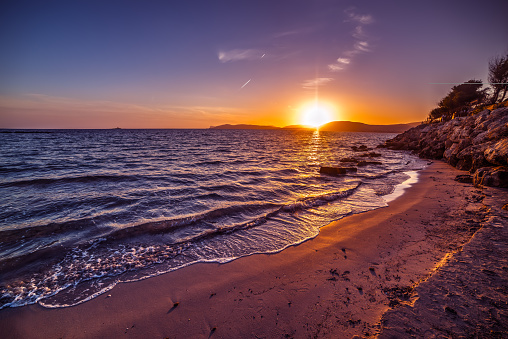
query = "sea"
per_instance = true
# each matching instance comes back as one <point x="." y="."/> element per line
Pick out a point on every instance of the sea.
<point x="84" y="210"/>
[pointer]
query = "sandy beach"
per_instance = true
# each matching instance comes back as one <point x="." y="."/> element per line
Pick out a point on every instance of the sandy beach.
<point x="431" y="264"/>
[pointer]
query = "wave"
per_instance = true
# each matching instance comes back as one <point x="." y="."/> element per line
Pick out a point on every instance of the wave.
<point x="94" y="206"/>
<point x="260" y="211"/>
<point x="66" y="180"/>
<point x="190" y="229"/>
<point x="109" y="256"/>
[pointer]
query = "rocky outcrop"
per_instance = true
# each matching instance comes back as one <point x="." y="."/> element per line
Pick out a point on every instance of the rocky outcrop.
<point x="477" y="143"/>
<point x="336" y="170"/>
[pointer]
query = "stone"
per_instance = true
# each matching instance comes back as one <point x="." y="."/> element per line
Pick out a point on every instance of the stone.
<point x="468" y="143"/>
<point x="497" y="154"/>
<point x="336" y="170"/>
<point x="361" y="148"/>
<point x="491" y="176"/>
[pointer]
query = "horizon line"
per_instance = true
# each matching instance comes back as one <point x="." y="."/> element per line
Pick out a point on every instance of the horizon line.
<point x="467" y="83"/>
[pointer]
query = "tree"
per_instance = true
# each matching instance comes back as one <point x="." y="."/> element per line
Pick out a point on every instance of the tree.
<point x="498" y="77"/>
<point x="459" y="100"/>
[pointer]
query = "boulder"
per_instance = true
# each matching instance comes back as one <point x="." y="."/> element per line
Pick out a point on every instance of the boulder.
<point x="481" y="117"/>
<point x="361" y="148"/>
<point x="336" y="170"/>
<point x="491" y="176"/>
<point x="497" y="154"/>
<point x="468" y="143"/>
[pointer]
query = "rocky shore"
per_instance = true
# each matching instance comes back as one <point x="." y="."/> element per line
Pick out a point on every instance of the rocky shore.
<point x="477" y="143"/>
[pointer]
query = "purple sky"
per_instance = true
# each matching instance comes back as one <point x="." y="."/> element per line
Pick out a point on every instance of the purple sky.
<point x="157" y="64"/>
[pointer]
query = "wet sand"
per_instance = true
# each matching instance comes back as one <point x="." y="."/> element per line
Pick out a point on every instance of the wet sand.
<point x="391" y="272"/>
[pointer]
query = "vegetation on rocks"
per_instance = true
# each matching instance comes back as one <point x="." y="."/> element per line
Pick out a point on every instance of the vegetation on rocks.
<point x="476" y="143"/>
<point x="470" y="97"/>
<point x="468" y="129"/>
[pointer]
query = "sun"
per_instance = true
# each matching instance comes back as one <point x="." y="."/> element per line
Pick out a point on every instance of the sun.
<point x="316" y="114"/>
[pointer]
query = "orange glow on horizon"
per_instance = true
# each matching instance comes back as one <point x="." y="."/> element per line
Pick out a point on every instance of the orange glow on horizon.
<point x="316" y="114"/>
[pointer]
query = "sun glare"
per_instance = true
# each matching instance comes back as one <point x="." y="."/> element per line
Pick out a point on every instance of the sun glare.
<point x="316" y="114"/>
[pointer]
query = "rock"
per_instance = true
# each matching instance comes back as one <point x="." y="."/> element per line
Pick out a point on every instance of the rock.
<point x="465" y="178"/>
<point x="450" y="310"/>
<point x="491" y="176"/>
<point x="348" y="160"/>
<point x="497" y="154"/>
<point x="361" y="148"/>
<point x="468" y="143"/>
<point x="370" y="155"/>
<point x="336" y="170"/>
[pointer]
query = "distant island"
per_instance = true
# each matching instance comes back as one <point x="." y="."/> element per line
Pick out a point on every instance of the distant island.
<point x="242" y="126"/>
<point x="335" y="126"/>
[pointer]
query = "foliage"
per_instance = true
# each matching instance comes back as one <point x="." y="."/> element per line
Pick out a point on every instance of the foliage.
<point x="458" y="100"/>
<point x="498" y="77"/>
<point x="470" y="98"/>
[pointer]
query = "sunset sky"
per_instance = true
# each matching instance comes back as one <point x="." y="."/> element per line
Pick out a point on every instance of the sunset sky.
<point x="192" y="64"/>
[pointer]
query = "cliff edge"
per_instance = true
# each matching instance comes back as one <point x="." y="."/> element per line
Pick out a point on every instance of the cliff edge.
<point x="477" y="143"/>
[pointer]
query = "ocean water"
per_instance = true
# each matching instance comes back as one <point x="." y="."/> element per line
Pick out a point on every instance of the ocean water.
<point x="82" y="210"/>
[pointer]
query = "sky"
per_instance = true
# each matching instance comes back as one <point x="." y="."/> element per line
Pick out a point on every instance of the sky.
<point x="194" y="64"/>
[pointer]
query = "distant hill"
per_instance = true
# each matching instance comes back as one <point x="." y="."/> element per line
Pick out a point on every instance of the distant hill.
<point x="335" y="126"/>
<point x="243" y="126"/>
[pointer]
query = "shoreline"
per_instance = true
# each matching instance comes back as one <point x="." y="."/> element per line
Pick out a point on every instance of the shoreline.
<point x="337" y="284"/>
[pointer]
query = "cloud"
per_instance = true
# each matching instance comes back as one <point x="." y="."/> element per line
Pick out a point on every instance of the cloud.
<point x="340" y="64"/>
<point x="335" y="67"/>
<point x="361" y="44"/>
<point x="299" y="31"/>
<point x="239" y="54"/>
<point x="359" y="33"/>
<point x="314" y="83"/>
<point x="364" y="19"/>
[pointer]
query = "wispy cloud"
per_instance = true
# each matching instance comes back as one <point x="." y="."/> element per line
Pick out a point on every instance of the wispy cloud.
<point x="363" y="19"/>
<point x="361" y="44"/>
<point x="344" y="61"/>
<point x="239" y="54"/>
<point x="298" y="32"/>
<point x="335" y="67"/>
<point x="340" y="64"/>
<point x="359" y="32"/>
<point x="314" y="83"/>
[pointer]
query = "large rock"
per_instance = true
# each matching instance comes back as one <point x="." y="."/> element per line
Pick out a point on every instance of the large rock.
<point x="468" y="143"/>
<point x="491" y="176"/>
<point x="497" y="154"/>
<point x="336" y="170"/>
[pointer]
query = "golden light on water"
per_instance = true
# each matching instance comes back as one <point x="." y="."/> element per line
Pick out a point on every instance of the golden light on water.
<point x="316" y="114"/>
